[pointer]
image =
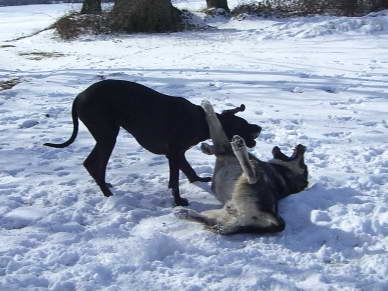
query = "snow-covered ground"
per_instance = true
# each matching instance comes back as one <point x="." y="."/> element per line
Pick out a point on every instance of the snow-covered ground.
<point x="319" y="81"/>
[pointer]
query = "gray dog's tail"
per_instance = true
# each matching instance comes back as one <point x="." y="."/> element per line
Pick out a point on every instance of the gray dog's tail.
<point x="75" y="130"/>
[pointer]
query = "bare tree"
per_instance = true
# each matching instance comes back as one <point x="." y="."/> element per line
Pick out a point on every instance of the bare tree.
<point x="91" y="7"/>
<point x="381" y="4"/>
<point x="145" y="16"/>
<point x="218" y="4"/>
<point x="349" y="7"/>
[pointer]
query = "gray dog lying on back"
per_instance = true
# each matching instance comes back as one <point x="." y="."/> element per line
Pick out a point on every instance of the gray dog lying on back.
<point x="248" y="188"/>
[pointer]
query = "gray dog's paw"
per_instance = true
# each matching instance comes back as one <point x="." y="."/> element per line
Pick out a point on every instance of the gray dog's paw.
<point x="189" y="214"/>
<point x="237" y="143"/>
<point x="217" y="228"/>
<point x="181" y="213"/>
<point x="207" y="149"/>
<point x="206" y="105"/>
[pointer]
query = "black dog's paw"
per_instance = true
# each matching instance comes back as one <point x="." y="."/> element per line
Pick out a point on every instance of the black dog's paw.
<point x="205" y="179"/>
<point x="181" y="202"/>
<point x="105" y="190"/>
<point x="109" y="185"/>
<point x="201" y="179"/>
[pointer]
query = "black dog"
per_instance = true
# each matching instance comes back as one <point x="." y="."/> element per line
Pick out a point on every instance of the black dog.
<point x="160" y="123"/>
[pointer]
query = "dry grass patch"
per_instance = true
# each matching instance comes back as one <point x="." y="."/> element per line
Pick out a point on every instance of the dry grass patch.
<point x="7" y="46"/>
<point x="9" y="84"/>
<point x="75" y="24"/>
<point x="37" y="56"/>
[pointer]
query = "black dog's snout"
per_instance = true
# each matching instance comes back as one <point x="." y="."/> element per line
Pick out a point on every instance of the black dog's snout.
<point x="256" y="130"/>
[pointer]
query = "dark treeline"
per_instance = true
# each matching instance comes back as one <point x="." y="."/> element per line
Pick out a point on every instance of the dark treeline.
<point x="27" y="2"/>
<point x="282" y="8"/>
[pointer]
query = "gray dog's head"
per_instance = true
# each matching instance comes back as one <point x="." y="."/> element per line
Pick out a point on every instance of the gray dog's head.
<point x="298" y="169"/>
<point x="234" y="125"/>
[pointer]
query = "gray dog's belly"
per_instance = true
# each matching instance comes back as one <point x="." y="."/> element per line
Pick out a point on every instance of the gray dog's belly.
<point x="226" y="173"/>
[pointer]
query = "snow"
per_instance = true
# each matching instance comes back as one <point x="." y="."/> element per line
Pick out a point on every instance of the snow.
<point x="319" y="81"/>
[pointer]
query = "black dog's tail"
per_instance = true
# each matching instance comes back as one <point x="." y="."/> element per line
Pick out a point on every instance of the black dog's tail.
<point x="75" y="130"/>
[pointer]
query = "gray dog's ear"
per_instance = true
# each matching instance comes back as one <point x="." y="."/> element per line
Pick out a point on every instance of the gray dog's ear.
<point x="277" y="154"/>
<point x="297" y="154"/>
<point x="234" y="111"/>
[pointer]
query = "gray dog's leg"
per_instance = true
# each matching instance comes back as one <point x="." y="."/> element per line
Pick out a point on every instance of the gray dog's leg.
<point x="190" y="214"/>
<point x="217" y="134"/>
<point x="241" y="153"/>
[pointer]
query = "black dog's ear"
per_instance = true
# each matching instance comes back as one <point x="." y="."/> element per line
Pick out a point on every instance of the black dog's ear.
<point x="234" y="111"/>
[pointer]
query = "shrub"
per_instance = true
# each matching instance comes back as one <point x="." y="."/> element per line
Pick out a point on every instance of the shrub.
<point x="75" y="24"/>
<point x="9" y="84"/>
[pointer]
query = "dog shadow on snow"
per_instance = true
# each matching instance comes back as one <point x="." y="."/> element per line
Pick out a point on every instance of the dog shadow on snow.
<point x="309" y="223"/>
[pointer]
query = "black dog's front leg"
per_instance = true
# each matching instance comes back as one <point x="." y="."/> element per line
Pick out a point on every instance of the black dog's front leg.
<point x="173" y="184"/>
<point x="189" y="171"/>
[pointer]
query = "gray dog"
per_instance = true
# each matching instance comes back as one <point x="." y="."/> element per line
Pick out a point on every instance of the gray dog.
<point x="248" y="188"/>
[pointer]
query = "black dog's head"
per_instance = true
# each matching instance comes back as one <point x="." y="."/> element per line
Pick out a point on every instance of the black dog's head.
<point x="234" y="125"/>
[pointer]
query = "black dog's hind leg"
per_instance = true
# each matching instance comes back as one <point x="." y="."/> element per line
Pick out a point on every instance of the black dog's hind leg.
<point x="97" y="160"/>
<point x="173" y="184"/>
<point x="189" y="171"/>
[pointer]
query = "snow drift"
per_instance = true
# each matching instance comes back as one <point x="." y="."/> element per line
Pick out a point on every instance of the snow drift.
<point x="325" y="90"/>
